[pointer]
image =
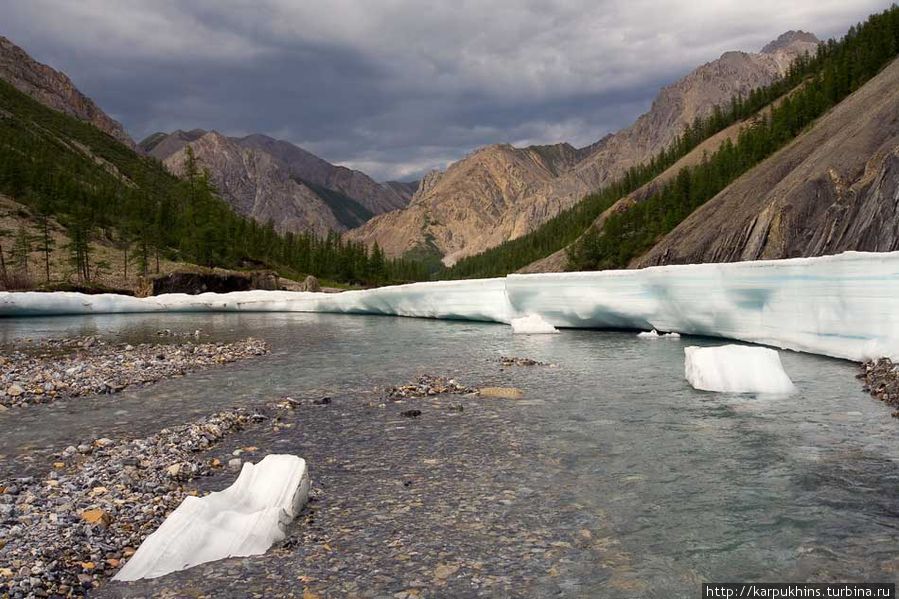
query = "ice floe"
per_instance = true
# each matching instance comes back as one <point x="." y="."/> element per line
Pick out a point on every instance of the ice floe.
<point x="654" y="334"/>
<point x="532" y="324"/>
<point x="736" y="369"/>
<point x="244" y="519"/>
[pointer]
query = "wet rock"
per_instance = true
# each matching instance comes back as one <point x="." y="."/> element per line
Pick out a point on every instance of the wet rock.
<point x="501" y="392"/>
<point x="96" y="516"/>
<point x="513" y="361"/>
<point x="411" y="413"/>
<point x="881" y="379"/>
<point x="428" y="386"/>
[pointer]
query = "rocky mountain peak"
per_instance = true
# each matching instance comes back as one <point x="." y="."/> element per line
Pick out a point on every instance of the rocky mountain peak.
<point x="791" y="39"/>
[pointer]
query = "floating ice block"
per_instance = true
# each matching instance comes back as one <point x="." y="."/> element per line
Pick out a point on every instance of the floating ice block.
<point x="736" y="369"/>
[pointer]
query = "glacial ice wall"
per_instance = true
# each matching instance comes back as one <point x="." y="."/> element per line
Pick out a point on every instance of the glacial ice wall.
<point x="845" y="306"/>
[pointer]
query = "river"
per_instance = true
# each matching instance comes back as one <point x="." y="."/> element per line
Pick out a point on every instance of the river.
<point x="611" y="477"/>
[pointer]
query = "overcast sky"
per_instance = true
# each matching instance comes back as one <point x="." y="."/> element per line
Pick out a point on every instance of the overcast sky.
<point x="396" y="87"/>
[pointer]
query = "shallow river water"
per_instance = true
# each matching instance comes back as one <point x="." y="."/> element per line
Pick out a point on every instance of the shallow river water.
<point x="611" y="478"/>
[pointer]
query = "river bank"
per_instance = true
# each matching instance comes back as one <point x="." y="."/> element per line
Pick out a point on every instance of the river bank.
<point x="46" y="370"/>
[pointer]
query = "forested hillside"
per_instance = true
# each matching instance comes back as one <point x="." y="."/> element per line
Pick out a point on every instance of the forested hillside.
<point x="838" y="69"/>
<point x="94" y="186"/>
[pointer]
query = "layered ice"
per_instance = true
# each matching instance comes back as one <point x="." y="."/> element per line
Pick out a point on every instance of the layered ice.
<point x="532" y="324"/>
<point x="736" y="369"/>
<point x="244" y="519"/>
<point x="846" y="306"/>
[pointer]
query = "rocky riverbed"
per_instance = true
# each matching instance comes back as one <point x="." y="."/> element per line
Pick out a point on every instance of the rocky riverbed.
<point x="430" y="506"/>
<point x="51" y="369"/>
<point x="68" y="531"/>
<point x="881" y="379"/>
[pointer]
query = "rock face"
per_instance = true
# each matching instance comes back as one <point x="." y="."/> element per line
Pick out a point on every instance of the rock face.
<point x="500" y="192"/>
<point x="54" y="89"/>
<point x="376" y="197"/>
<point x="269" y="179"/>
<point x="834" y="188"/>
<point x="257" y="185"/>
<point x="194" y="283"/>
<point x="478" y="202"/>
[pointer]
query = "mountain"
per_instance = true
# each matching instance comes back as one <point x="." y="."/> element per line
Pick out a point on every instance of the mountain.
<point x="500" y="192"/>
<point x="54" y="90"/>
<point x="834" y="188"/>
<point x="472" y="204"/>
<point x="376" y="197"/>
<point x="269" y="179"/>
<point x="255" y="184"/>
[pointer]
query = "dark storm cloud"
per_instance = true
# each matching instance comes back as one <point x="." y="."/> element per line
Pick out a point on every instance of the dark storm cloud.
<point x="396" y="87"/>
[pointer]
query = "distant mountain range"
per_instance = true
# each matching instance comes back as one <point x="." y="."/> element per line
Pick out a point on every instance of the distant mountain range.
<point x="500" y="192"/>
<point x="273" y="180"/>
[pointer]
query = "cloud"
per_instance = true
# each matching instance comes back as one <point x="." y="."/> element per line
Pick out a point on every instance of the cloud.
<point x="396" y="86"/>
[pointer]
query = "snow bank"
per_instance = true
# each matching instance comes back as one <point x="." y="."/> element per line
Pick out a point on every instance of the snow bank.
<point x="845" y="306"/>
<point x="736" y="369"/>
<point x="244" y="519"/>
<point x="654" y="334"/>
<point x="483" y="299"/>
<point x="531" y="324"/>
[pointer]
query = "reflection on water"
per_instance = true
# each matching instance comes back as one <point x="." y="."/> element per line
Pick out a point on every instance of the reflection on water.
<point x="690" y="486"/>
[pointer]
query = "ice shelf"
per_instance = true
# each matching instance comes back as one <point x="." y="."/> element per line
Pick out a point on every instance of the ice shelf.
<point x="736" y="369"/>
<point x="846" y="306"/>
<point x="244" y="519"/>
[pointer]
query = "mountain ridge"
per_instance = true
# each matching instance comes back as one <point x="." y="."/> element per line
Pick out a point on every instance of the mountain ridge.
<point x="55" y="90"/>
<point x="289" y="185"/>
<point x="439" y="216"/>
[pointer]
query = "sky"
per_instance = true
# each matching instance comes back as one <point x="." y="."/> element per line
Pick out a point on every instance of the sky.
<point x="397" y="87"/>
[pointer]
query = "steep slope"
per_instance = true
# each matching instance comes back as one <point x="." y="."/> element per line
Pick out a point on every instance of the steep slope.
<point x="404" y="189"/>
<point x="54" y="89"/>
<point x="338" y="198"/>
<point x="376" y="197"/>
<point x="834" y="188"/>
<point x="163" y="145"/>
<point x="558" y="261"/>
<point x="256" y="185"/>
<point x="468" y="205"/>
<point x="455" y="218"/>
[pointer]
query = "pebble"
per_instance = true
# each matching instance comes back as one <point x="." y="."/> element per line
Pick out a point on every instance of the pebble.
<point x="882" y="381"/>
<point x="70" y="367"/>
<point x="427" y="386"/>
<point x="89" y="516"/>
<point x="513" y="361"/>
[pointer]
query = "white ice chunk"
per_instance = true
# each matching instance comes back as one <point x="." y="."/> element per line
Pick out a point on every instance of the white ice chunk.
<point x="532" y="324"/>
<point x="654" y="334"/>
<point x="736" y="369"/>
<point x="244" y="519"/>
